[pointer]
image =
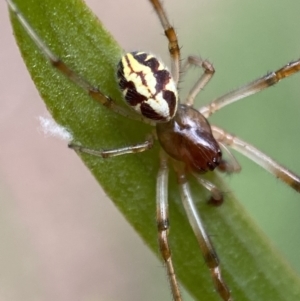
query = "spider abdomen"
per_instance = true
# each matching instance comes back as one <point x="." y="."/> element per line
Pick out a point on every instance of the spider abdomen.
<point x="147" y="86"/>
<point x="188" y="138"/>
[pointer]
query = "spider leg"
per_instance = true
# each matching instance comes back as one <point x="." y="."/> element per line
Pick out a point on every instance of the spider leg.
<point x="132" y="149"/>
<point x="209" y="254"/>
<point x="216" y="193"/>
<point x="258" y="85"/>
<point x="230" y="165"/>
<point x="172" y="38"/>
<point x="202" y="81"/>
<point x="258" y="157"/>
<point x="162" y="219"/>
<point x="57" y="63"/>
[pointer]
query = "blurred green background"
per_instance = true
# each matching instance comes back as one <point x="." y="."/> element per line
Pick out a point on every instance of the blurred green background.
<point x="40" y="206"/>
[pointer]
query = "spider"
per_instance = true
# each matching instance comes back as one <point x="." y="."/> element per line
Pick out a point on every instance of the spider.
<point x="188" y="142"/>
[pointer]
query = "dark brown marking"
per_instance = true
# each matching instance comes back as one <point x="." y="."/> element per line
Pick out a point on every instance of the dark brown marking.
<point x="289" y="178"/>
<point x="220" y="286"/>
<point x="132" y="97"/>
<point x="215" y="202"/>
<point x="148" y="112"/>
<point x="225" y="166"/>
<point x="170" y="98"/>
<point x="163" y="225"/>
<point x="162" y="79"/>
<point x="152" y="63"/>
<point x="173" y="42"/>
<point x="142" y="77"/>
<point x="139" y="56"/>
<point x="211" y="257"/>
<point x="295" y="185"/>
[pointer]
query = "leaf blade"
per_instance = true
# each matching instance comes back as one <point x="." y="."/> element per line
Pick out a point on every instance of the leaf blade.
<point x="75" y="36"/>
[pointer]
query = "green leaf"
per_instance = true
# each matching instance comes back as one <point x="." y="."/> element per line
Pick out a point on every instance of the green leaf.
<point x="251" y="267"/>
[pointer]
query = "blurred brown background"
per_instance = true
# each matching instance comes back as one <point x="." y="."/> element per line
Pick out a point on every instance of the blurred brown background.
<point x="60" y="237"/>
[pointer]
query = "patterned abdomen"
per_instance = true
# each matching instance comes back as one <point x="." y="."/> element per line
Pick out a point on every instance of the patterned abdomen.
<point x="147" y="86"/>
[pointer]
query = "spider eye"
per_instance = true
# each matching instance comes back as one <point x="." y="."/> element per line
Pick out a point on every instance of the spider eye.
<point x="147" y="86"/>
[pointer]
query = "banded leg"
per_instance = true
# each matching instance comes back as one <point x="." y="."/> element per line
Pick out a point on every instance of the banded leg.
<point x="202" y="81"/>
<point x="252" y="88"/>
<point x="132" y="149"/>
<point x="57" y="63"/>
<point x="209" y="254"/>
<point x="258" y="157"/>
<point x="162" y="219"/>
<point x="172" y="38"/>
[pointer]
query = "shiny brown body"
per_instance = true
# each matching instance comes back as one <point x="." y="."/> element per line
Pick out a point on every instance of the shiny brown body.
<point x="188" y="138"/>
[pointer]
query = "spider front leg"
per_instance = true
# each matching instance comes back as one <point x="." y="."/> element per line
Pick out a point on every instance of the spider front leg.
<point x="202" y="81"/>
<point x="254" y="87"/>
<point x="216" y="194"/>
<point x="258" y="157"/>
<point x="209" y="254"/>
<point x="171" y="35"/>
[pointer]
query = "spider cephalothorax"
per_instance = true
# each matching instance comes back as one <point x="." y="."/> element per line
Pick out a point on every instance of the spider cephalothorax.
<point x="188" y="138"/>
